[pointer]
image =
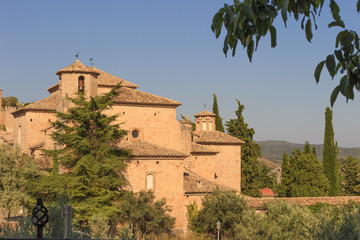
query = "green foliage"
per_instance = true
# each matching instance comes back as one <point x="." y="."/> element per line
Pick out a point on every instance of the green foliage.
<point x="253" y="177"/>
<point x="226" y="207"/>
<point x="17" y="172"/>
<point x="218" y="120"/>
<point x="88" y="139"/>
<point x="249" y="20"/>
<point x="192" y="214"/>
<point x="330" y="161"/>
<point x="350" y="170"/>
<point x="302" y="175"/>
<point x="10" y="102"/>
<point x="146" y="216"/>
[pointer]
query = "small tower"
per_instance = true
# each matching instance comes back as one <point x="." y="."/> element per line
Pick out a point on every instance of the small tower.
<point x="205" y="121"/>
<point x="76" y="78"/>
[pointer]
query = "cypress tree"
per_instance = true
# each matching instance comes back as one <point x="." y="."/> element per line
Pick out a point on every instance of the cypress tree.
<point x="330" y="161"/>
<point x="252" y="178"/>
<point x="218" y="121"/>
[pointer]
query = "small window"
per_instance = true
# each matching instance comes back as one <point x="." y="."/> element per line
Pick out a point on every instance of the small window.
<point x="204" y="126"/>
<point x="210" y="126"/>
<point x="149" y="181"/>
<point x="30" y="119"/>
<point x="135" y="133"/>
<point x="81" y="84"/>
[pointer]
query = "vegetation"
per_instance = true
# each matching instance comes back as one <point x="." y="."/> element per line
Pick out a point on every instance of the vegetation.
<point x="17" y="171"/>
<point x="146" y="216"/>
<point x="330" y="161"/>
<point x="350" y="170"/>
<point x="302" y="175"/>
<point x="273" y="150"/>
<point x="253" y="175"/>
<point x="218" y="120"/>
<point x="87" y="139"/>
<point x="281" y="221"/>
<point x="246" y="22"/>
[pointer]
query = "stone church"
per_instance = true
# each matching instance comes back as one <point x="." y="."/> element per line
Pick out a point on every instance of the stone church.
<point x="167" y="156"/>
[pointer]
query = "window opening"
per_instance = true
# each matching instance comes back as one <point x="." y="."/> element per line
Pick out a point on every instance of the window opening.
<point x="81" y="84"/>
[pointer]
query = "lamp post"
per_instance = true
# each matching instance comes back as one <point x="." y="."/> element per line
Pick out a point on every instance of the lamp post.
<point x="218" y="227"/>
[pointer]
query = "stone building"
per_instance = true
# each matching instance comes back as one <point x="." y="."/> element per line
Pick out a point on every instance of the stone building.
<point x="167" y="156"/>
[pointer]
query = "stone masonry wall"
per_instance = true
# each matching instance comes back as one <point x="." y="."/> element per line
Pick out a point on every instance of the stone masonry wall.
<point x="168" y="183"/>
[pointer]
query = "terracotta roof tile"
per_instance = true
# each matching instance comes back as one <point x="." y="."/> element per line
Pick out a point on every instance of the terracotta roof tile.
<point x="216" y="137"/>
<point x="46" y="104"/>
<point x="106" y="79"/>
<point x="193" y="183"/>
<point x="197" y="148"/>
<point x="77" y="67"/>
<point x="132" y="96"/>
<point x="186" y="121"/>
<point x="145" y="149"/>
<point x="205" y="113"/>
<point x="53" y="88"/>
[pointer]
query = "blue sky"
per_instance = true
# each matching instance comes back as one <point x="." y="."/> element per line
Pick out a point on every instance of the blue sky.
<point x="167" y="48"/>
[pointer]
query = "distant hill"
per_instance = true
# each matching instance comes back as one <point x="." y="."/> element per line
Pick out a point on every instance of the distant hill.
<point x="274" y="150"/>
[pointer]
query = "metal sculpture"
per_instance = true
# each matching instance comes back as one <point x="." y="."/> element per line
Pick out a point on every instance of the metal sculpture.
<point x="39" y="217"/>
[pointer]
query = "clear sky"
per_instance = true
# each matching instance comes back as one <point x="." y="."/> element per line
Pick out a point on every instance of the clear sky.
<point x="167" y="48"/>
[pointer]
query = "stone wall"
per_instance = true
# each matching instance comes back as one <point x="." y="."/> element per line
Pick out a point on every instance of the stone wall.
<point x="168" y="183"/>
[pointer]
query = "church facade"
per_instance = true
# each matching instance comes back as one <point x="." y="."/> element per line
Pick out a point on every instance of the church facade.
<point x="167" y="156"/>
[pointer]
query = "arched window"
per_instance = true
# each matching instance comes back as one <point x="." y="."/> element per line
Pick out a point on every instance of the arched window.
<point x="149" y="181"/>
<point x="210" y="126"/>
<point x="81" y="84"/>
<point x="204" y="126"/>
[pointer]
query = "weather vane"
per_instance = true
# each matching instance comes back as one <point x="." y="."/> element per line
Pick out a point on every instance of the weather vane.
<point x="205" y="106"/>
<point x="91" y="62"/>
<point x="77" y="55"/>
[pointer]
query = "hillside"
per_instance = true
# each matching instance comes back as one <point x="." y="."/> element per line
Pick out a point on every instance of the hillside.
<point x="274" y="150"/>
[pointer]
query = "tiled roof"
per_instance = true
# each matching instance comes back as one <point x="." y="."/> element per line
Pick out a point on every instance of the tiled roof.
<point x="216" y="137"/>
<point x="195" y="184"/>
<point x="133" y="96"/>
<point x="106" y="79"/>
<point x="77" y="67"/>
<point x="205" y="113"/>
<point x="145" y="149"/>
<point x="197" y="148"/>
<point x="53" y="88"/>
<point x="258" y="203"/>
<point x="46" y="104"/>
<point x="186" y="121"/>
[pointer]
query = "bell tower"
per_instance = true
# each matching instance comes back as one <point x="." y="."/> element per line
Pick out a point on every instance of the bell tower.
<point x="76" y="78"/>
<point x="205" y="121"/>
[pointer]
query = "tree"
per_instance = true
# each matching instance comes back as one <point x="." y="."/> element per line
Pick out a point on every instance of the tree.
<point x="302" y="175"/>
<point x="351" y="176"/>
<point x="248" y="21"/>
<point x="10" y="101"/>
<point x="17" y="172"/>
<point x="218" y="120"/>
<point x="86" y="140"/>
<point x="330" y="161"/>
<point x="225" y="207"/>
<point x="145" y="215"/>
<point x="252" y="178"/>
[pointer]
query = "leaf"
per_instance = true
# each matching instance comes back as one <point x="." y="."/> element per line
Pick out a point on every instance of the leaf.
<point x="273" y="36"/>
<point x="334" y="95"/>
<point x="226" y="46"/>
<point x="358" y="6"/>
<point x="284" y="11"/>
<point x="250" y="49"/>
<point x="339" y="57"/>
<point x="339" y="38"/>
<point x="330" y="64"/>
<point x="337" y="24"/>
<point x="308" y="31"/>
<point x="335" y="10"/>
<point x="302" y="23"/>
<point x="318" y="70"/>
